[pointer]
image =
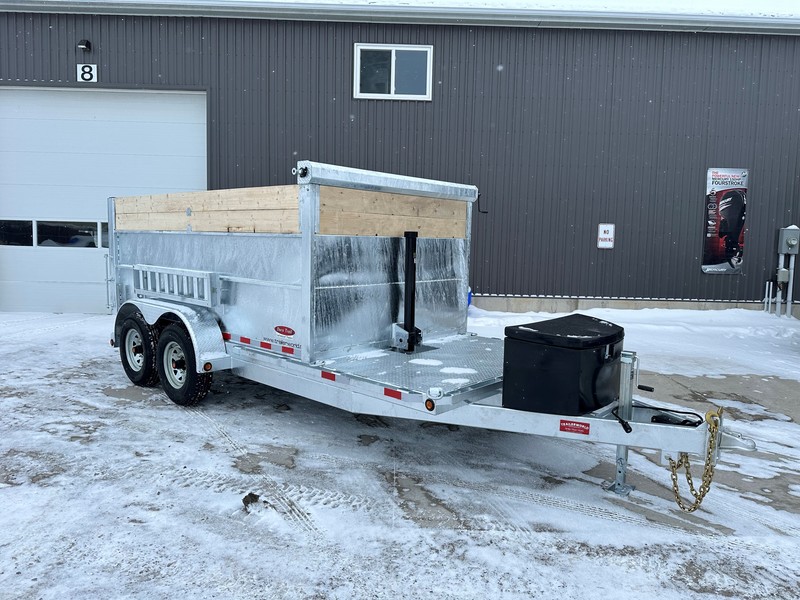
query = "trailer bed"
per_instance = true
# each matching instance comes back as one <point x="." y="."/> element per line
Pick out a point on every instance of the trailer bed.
<point x="454" y="364"/>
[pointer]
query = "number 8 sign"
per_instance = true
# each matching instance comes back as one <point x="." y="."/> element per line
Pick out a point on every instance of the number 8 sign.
<point x="87" y="73"/>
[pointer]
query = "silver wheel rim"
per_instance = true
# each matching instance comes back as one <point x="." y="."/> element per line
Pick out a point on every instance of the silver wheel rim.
<point x="175" y="365"/>
<point x="134" y="350"/>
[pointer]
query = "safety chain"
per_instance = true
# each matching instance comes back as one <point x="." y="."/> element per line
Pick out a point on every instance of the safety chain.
<point x="713" y="418"/>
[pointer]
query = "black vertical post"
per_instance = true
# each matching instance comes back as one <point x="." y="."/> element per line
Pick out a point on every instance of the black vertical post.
<point x="411" y="289"/>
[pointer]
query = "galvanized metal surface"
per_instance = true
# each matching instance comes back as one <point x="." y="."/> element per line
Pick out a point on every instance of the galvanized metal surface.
<point x="486" y="413"/>
<point x="309" y="172"/>
<point x="560" y="130"/>
<point x="259" y="284"/>
<point x="358" y="291"/>
<point x="458" y="363"/>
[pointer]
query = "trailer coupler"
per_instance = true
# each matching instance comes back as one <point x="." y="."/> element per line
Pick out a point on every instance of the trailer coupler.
<point x="717" y="438"/>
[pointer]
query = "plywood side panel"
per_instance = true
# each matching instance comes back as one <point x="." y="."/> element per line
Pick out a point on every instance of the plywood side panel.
<point x="255" y="210"/>
<point x="365" y="213"/>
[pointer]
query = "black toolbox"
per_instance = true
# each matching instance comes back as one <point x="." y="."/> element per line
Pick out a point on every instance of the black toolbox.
<point x="564" y="366"/>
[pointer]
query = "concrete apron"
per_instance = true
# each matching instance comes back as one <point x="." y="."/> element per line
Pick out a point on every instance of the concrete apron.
<point x="568" y="305"/>
<point x="775" y="395"/>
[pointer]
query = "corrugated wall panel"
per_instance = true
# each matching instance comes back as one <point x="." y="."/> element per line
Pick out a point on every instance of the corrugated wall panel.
<point x="560" y="129"/>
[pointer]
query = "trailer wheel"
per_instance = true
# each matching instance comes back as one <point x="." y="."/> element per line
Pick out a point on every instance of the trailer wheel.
<point x="137" y="351"/>
<point x="176" y="368"/>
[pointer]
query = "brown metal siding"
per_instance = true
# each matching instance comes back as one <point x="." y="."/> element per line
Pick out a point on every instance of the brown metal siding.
<point x="560" y="130"/>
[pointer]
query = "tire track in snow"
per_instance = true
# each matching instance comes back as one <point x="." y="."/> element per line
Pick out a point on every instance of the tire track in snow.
<point x="242" y="484"/>
<point x="264" y="486"/>
<point x="496" y="496"/>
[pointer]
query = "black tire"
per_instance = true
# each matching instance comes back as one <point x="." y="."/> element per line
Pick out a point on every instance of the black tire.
<point x="176" y="368"/>
<point x="137" y="350"/>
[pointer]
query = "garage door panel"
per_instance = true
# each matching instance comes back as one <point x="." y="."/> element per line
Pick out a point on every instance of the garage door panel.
<point x="74" y="202"/>
<point x="38" y="296"/>
<point x="63" y="136"/>
<point x="110" y="106"/>
<point x="62" y="154"/>
<point x="102" y="170"/>
<point x="54" y="265"/>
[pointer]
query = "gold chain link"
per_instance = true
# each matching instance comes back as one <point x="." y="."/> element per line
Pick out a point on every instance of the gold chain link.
<point x="713" y="418"/>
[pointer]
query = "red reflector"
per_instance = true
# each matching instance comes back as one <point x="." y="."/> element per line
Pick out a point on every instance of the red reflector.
<point x="226" y="336"/>
<point x="244" y="340"/>
<point x="266" y="345"/>
<point x="329" y="376"/>
<point x="287" y="350"/>
<point x="396" y="394"/>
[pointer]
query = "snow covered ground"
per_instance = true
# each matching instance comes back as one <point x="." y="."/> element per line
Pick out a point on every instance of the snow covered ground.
<point x="111" y="491"/>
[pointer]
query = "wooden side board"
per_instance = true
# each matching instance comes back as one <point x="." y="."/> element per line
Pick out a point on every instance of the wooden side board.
<point x="276" y="209"/>
<point x="344" y="211"/>
<point x="257" y="210"/>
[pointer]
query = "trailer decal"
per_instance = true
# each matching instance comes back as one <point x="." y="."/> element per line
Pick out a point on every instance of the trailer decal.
<point x="266" y="345"/>
<point x="574" y="427"/>
<point x="329" y="376"/>
<point x="244" y="340"/>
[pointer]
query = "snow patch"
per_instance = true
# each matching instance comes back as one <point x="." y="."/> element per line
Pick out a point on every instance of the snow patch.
<point x="428" y="362"/>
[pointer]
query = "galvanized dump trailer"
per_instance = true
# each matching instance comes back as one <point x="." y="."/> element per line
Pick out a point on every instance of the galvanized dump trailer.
<point x="350" y="288"/>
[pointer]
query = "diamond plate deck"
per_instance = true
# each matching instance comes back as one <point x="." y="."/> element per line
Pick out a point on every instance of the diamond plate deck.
<point x="453" y="364"/>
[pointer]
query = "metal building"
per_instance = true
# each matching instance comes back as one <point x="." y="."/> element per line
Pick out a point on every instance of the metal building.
<point x="564" y="121"/>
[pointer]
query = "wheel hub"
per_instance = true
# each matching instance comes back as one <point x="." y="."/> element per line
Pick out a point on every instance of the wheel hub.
<point x="175" y="365"/>
<point x="134" y="350"/>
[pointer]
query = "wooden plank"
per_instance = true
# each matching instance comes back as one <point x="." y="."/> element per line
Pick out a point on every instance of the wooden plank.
<point x="283" y="197"/>
<point x="358" y="212"/>
<point x="366" y="224"/>
<point x="361" y="201"/>
<point x="236" y="221"/>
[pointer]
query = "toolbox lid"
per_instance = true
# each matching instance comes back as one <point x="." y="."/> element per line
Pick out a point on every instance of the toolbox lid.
<point x="573" y="331"/>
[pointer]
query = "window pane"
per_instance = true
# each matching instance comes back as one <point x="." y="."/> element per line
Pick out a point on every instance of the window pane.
<point x="16" y="233"/>
<point x="411" y="72"/>
<point x="67" y="235"/>
<point x="105" y="234"/>
<point x="375" y="72"/>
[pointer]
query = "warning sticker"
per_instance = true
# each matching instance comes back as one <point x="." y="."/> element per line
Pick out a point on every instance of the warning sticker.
<point x="574" y="427"/>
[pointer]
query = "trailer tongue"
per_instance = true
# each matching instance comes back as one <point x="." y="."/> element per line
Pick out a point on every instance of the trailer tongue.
<point x="350" y="288"/>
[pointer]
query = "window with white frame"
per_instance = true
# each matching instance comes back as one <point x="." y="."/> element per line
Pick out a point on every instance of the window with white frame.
<point x="393" y="72"/>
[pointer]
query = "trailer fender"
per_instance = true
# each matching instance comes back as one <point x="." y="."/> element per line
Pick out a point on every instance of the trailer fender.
<point x="203" y="328"/>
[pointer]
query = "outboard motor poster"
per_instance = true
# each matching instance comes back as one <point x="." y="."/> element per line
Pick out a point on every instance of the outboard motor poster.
<point x="725" y="212"/>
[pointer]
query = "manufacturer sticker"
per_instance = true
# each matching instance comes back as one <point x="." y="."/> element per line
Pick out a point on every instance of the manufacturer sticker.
<point x="574" y="427"/>
<point x="284" y="331"/>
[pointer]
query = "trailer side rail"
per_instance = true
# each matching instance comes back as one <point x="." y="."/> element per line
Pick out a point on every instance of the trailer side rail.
<point x="200" y="288"/>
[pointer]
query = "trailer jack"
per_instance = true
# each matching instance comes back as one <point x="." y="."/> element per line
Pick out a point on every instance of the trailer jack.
<point x="406" y="336"/>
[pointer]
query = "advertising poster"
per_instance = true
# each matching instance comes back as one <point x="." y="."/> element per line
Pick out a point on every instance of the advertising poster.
<point x="725" y="213"/>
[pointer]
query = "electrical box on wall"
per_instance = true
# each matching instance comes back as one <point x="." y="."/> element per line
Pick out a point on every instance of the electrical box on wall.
<point x="788" y="240"/>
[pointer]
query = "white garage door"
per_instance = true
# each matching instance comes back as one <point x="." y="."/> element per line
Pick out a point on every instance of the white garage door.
<point x="62" y="154"/>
